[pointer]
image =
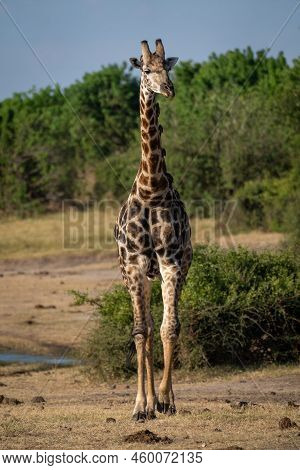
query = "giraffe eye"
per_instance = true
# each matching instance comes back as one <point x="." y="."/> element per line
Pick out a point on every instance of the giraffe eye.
<point x="147" y="71"/>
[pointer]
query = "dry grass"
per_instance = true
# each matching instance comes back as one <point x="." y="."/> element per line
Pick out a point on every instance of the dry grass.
<point x="72" y="231"/>
<point x="206" y="231"/>
<point x="75" y="412"/>
<point x="83" y="232"/>
<point x="32" y="236"/>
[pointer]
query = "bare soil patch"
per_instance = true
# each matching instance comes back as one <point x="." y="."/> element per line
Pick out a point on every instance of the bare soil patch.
<point x="37" y="312"/>
<point x="78" y="413"/>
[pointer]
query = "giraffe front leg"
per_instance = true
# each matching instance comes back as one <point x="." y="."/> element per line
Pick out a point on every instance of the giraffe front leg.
<point x="166" y="401"/>
<point x="169" y="334"/>
<point x="136" y="289"/>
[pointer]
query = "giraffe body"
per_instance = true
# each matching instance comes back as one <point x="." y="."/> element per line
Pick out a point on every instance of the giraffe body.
<point x="154" y="239"/>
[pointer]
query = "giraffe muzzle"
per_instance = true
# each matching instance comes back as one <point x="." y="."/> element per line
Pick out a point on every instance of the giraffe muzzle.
<point x="167" y="90"/>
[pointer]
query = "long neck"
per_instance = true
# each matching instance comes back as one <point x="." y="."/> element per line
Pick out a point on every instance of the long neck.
<point x="152" y="175"/>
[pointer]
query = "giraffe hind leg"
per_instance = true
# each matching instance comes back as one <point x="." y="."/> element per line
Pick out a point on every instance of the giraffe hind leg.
<point x="151" y="395"/>
<point x="135" y="275"/>
<point x="171" y="286"/>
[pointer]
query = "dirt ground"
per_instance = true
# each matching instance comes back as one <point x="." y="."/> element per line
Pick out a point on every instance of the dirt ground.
<point x="216" y="410"/>
<point x="37" y="311"/>
<point x="210" y="416"/>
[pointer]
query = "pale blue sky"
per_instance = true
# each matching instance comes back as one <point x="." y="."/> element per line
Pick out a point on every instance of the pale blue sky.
<point x="77" y="36"/>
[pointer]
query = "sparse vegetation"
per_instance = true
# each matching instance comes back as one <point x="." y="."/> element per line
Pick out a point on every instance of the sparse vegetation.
<point x="91" y="231"/>
<point x="237" y="307"/>
<point x="57" y="233"/>
<point x="76" y="411"/>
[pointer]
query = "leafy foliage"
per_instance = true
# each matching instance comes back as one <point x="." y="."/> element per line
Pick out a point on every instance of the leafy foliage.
<point x="240" y="306"/>
<point x="232" y="132"/>
<point x="48" y="142"/>
<point x="236" y="307"/>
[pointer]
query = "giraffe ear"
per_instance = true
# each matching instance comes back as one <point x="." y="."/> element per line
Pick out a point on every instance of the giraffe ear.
<point x="135" y="62"/>
<point x="170" y="62"/>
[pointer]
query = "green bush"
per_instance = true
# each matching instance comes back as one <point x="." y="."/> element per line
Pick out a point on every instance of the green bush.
<point x="240" y="306"/>
<point x="269" y="204"/>
<point x="237" y="307"/>
<point x="263" y="204"/>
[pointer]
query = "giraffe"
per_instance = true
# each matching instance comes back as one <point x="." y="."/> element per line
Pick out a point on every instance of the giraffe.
<point x="154" y="239"/>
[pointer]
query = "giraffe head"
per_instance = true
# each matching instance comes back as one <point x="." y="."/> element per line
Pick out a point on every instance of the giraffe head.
<point x="155" y="69"/>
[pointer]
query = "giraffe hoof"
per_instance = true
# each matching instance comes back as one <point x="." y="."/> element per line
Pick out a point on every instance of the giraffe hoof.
<point x="171" y="410"/>
<point x="162" y="407"/>
<point x="139" y="417"/>
<point x="151" y="414"/>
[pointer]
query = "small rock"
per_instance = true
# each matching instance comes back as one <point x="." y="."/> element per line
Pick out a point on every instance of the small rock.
<point x="293" y="404"/>
<point x="272" y="393"/>
<point x="41" y="306"/>
<point x="217" y="430"/>
<point x="127" y="386"/>
<point x="2" y="384"/>
<point x="285" y="423"/>
<point x="111" y="420"/>
<point x="184" y="412"/>
<point x="9" y="401"/>
<point x="244" y="403"/>
<point x="38" y="399"/>
<point x="147" y="437"/>
<point x="113" y="386"/>
<point x="239" y="404"/>
<point x="13" y="401"/>
<point x="227" y="400"/>
<point x="234" y="448"/>
<point x="67" y="428"/>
